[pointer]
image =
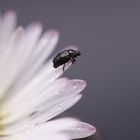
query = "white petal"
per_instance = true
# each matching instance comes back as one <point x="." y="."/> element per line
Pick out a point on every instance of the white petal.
<point x="37" y="135"/>
<point x="25" y="50"/>
<point x="73" y="127"/>
<point x="8" y="71"/>
<point x="80" y="130"/>
<point x="7" y="25"/>
<point x="59" y="125"/>
<point x="47" y="44"/>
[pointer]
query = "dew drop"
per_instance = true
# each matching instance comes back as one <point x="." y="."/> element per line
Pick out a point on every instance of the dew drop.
<point x="74" y="87"/>
<point x="60" y="108"/>
<point x="78" y="128"/>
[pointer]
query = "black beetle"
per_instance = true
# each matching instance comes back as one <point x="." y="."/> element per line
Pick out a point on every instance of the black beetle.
<point x="64" y="56"/>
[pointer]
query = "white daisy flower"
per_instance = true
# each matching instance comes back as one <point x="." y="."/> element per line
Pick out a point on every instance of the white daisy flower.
<point x="31" y="92"/>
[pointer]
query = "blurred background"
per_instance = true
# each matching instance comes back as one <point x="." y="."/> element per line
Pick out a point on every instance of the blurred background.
<point x="107" y="33"/>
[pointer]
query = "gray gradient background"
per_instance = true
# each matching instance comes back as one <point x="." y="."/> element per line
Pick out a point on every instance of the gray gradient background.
<point x="108" y="34"/>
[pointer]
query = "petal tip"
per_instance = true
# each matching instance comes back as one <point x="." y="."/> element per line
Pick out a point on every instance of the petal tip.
<point x="79" y="84"/>
<point x="53" y="32"/>
<point x="92" y="129"/>
<point x="10" y="13"/>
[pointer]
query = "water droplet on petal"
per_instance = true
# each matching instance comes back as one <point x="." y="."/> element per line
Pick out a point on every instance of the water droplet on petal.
<point x="60" y="108"/>
<point x="74" y="87"/>
<point x="78" y="128"/>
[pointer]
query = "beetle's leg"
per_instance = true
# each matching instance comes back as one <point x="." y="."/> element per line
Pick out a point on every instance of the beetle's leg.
<point x="63" y="68"/>
<point x="73" y="60"/>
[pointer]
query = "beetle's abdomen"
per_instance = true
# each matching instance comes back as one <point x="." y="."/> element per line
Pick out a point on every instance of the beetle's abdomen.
<point x="61" y="59"/>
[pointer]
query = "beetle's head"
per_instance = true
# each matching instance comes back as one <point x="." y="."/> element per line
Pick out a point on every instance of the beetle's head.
<point x="78" y="52"/>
